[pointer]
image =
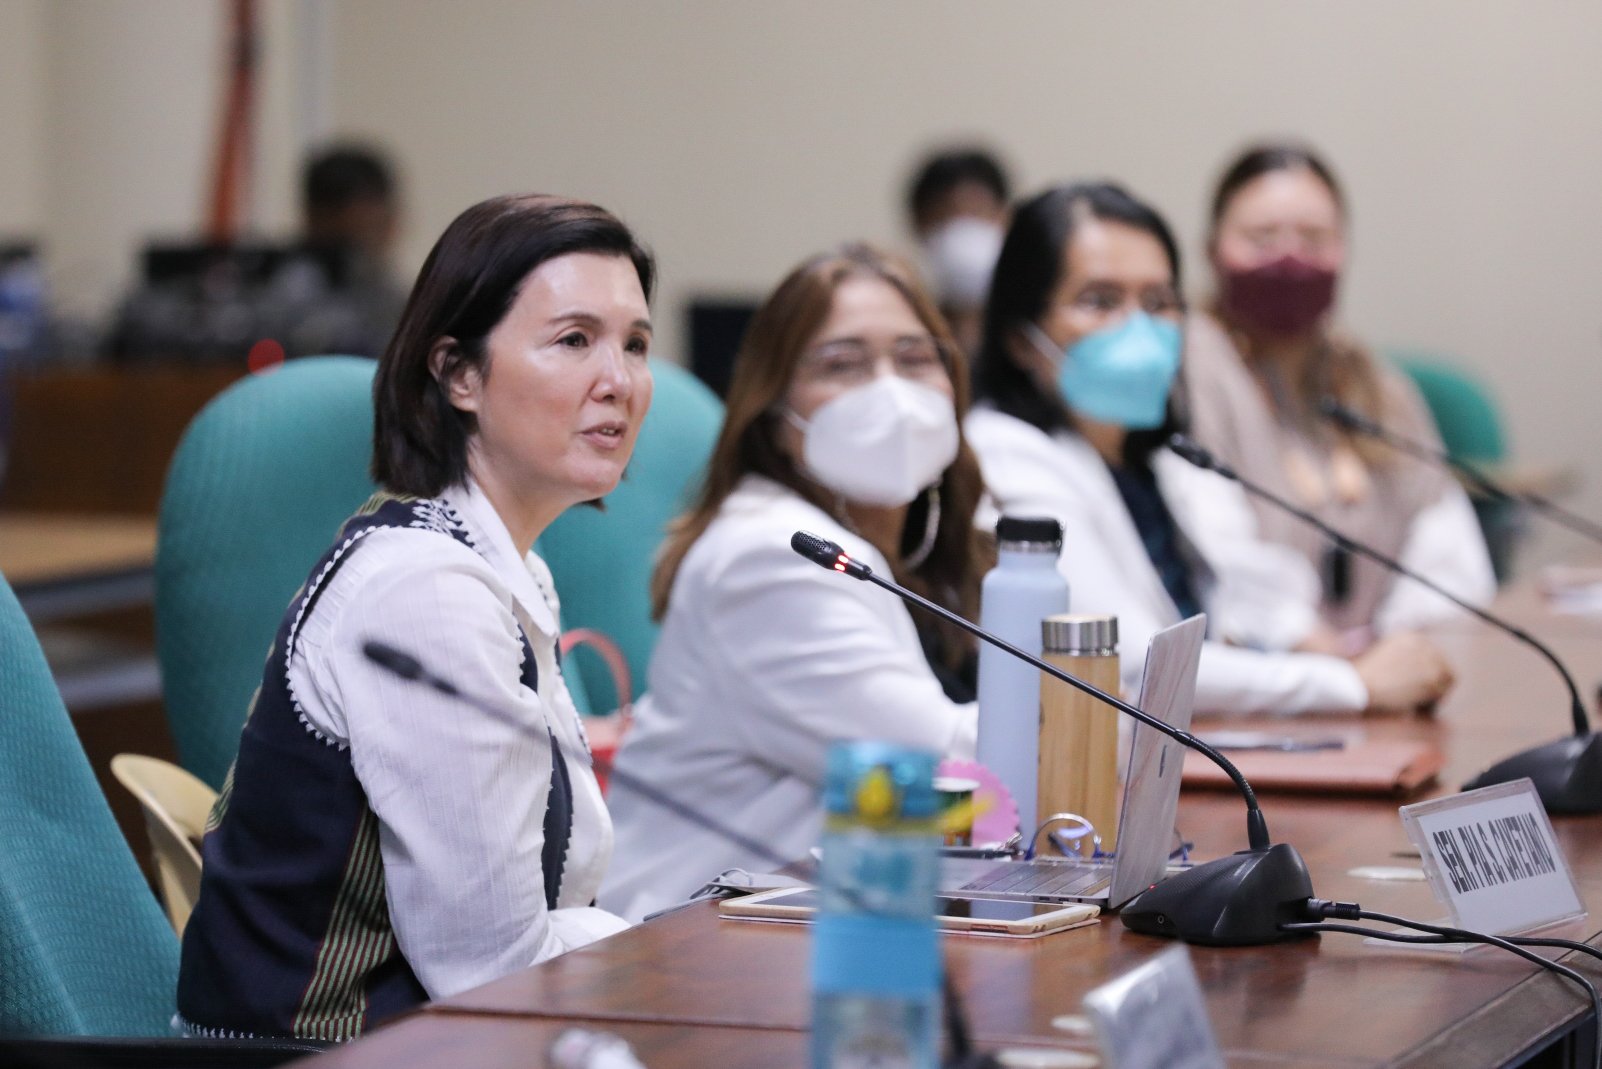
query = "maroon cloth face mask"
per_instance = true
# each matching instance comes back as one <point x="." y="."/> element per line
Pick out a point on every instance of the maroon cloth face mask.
<point x="1286" y="296"/>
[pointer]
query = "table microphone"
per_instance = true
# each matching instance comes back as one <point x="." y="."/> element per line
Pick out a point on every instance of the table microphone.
<point x="1344" y="417"/>
<point x="1239" y="900"/>
<point x="962" y="1054"/>
<point x="1567" y="773"/>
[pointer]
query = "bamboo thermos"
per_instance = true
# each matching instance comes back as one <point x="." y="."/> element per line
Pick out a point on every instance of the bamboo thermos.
<point x="1078" y="733"/>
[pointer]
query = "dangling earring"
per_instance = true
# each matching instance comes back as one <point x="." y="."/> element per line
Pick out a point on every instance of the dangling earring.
<point x="843" y="514"/>
<point x="931" y="528"/>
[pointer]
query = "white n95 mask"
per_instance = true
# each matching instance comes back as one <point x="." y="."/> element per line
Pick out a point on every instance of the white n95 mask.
<point x="961" y="257"/>
<point x="881" y="443"/>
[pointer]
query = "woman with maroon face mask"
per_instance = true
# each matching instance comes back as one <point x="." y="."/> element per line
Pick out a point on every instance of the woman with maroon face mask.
<point x="1264" y="361"/>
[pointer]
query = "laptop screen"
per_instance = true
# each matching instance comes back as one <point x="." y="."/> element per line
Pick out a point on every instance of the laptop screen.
<point x="1151" y="782"/>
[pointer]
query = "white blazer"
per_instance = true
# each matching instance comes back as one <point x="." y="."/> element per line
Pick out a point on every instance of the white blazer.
<point x="764" y="660"/>
<point x="1258" y="597"/>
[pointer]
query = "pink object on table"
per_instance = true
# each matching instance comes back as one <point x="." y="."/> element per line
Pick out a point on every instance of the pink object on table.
<point x="997" y="819"/>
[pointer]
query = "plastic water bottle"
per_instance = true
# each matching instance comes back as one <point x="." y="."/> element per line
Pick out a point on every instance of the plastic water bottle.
<point x="1021" y="590"/>
<point x="875" y="949"/>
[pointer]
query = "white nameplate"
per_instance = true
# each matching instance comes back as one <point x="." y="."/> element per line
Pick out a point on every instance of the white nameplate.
<point x="1153" y="1017"/>
<point x="1492" y="859"/>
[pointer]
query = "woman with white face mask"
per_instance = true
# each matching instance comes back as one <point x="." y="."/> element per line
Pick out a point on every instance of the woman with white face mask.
<point x="957" y="207"/>
<point x="1080" y="359"/>
<point x="843" y="420"/>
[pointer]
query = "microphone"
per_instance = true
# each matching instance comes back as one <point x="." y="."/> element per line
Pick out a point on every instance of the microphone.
<point x="1567" y="773"/>
<point x="1344" y="417"/>
<point x="404" y="665"/>
<point x="1239" y="900"/>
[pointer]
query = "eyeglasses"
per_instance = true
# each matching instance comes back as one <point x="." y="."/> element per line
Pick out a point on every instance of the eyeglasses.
<point x="1107" y="301"/>
<point x="1283" y="239"/>
<point x="850" y="362"/>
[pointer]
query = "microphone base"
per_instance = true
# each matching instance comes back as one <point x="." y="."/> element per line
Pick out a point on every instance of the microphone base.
<point x="1567" y="774"/>
<point x="1239" y="900"/>
<point x="974" y="1060"/>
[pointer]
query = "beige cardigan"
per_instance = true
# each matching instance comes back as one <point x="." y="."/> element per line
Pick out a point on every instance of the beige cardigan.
<point x="1408" y="510"/>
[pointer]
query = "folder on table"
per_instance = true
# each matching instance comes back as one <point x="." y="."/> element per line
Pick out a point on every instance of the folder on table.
<point x="1362" y="766"/>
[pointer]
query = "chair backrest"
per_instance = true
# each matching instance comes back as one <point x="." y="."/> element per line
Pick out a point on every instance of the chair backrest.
<point x="602" y="559"/>
<point x="84" y="949"/>
<point x="1465" y="414"/>
<point x="259" y="486"/>
<point x="176" y="805"/>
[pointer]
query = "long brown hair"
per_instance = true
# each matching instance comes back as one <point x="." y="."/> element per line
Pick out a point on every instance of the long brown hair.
<point x="749" y="442"/>
<point x="1342" y="367"/>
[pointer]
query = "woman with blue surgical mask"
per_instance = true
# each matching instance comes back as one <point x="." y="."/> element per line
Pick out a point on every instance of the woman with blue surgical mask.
<point x="1078" y="387"/>
<point x="843" y="419"/>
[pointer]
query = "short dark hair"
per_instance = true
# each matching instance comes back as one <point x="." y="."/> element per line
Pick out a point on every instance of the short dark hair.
<point x="468" y="283"/>
<point x="343" y="173"/>
<point x="1028" y="271"/>
<point x="949" y="168"/>
<point x="1261" y="159"/>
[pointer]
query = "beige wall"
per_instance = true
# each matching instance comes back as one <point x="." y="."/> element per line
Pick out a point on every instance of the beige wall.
<point x="129" y="110"/>
<point x="110" y="121"/>
<point x="21" y="118"/>
<point x="739" y="136"/>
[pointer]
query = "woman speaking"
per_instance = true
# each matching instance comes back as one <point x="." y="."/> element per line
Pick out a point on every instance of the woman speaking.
<point x="378" y="843"/>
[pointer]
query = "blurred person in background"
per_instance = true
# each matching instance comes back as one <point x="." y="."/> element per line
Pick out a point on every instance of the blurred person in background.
<point x="957" y="207"/>
<point x="843" y="419"/>
<point x="1075" y="398"/>
<point x="351" y="207"/>
<point x="331" y="291"/>
<point x="1262" y="359"/>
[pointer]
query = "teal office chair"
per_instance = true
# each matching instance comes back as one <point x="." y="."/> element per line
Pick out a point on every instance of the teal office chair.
<point x="1465" y="414"/>
<point x="1471" y="430"/>
<point x="602" y="559"/>
<point x="258" y="488"/>
<point x="84" y="949"/>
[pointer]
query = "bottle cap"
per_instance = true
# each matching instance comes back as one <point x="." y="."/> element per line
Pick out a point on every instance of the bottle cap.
<point x="1079" y="633"/>
<point x="1035" y="530"/>
<point x="879" y="783"/>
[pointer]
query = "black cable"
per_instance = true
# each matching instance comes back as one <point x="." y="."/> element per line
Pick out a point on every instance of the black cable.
<point x="1440" y="929"/>
<point x="1437" y="934"/>
<point x="1566" y="944"/>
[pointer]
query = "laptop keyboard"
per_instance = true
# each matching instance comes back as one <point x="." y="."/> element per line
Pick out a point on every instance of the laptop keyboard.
<point x="1046" y="878"/>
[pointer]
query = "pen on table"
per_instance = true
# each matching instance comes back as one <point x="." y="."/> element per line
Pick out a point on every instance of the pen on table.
<point x="1280" y="745"/>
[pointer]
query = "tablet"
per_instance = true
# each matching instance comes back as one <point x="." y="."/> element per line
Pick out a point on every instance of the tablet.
<point x="988" y="915"/>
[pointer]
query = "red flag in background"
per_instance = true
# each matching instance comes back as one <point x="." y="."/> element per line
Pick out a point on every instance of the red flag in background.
<point x="231" y="176"/>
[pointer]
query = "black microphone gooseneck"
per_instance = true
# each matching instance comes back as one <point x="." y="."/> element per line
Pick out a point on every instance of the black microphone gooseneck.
<point x="1344" y="417"/>
<point x="830" y="555"/>
<point x="1566" y="773"/>
<point x="1240" y="900"/>
<point x="399" y="662"/>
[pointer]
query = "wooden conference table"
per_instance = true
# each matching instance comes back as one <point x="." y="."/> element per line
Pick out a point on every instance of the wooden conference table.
<point x="689" y="989"/>
<point x="63" y="564"/>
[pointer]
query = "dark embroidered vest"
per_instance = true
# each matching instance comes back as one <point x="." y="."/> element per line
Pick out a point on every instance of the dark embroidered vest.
<point x="291" y="934"/>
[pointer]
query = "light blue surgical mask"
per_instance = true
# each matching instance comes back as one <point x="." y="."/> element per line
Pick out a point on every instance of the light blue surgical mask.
<point x="1121" y="374"/>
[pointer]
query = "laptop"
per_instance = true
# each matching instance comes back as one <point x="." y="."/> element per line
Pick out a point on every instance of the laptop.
<point x="1146" y="817"/>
